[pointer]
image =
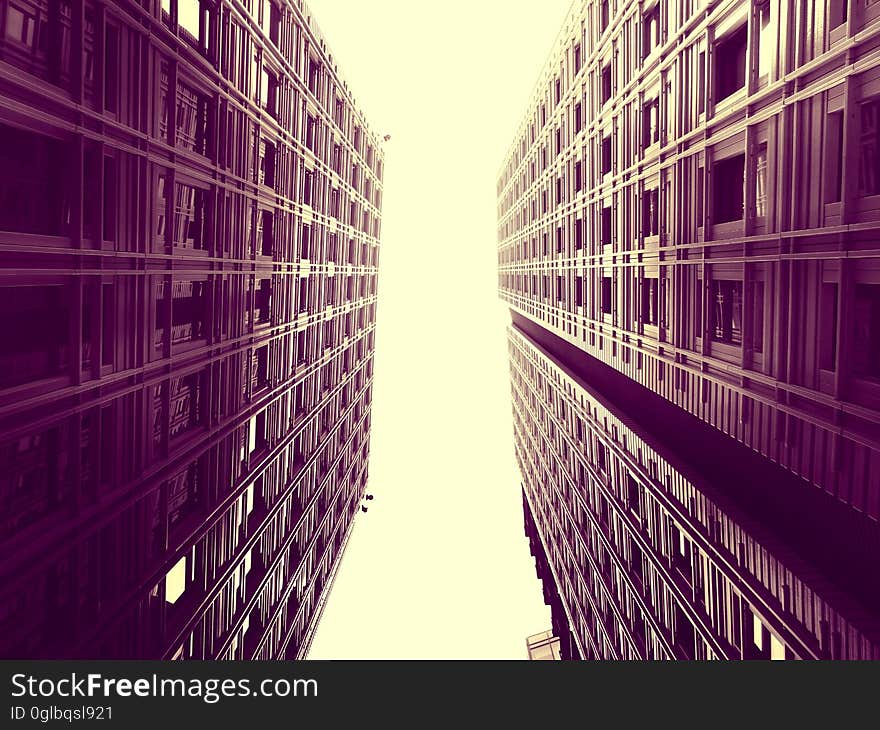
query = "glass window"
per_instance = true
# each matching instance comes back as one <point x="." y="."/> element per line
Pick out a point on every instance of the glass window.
<point x="651" y="122"/>
<point x="34" y="197"/>
<point x="866" y="340"/>
<point x="35" y="341"/>
<point x="766" y="41"/>
<point x="838" y="12"/>
<point x="606" y="83"/>
<point x="651" y="213"/>
<point x="651" y="30"/>
<point x="606" y="295"/>
<point x="869" y="150"/>
<point x="761" y="181"/>
<point x="727" y="311"/>
<point x="828" y="326"/>
<point x="758" y="316"/>
<point x="727" y="198"/>
<point x="730" y="66"/>
<point x="650" y="301"/>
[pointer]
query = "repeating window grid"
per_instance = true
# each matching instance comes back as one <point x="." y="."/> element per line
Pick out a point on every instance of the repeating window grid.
<point x="685" y="494"/>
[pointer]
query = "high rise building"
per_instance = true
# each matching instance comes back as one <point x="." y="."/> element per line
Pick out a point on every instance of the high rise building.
<point x="689" y="243"/>
<point x="543" y="647"/>
<point x="189" y="221"/>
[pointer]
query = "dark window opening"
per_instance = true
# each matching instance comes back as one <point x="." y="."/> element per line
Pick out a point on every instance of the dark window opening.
<point x="650" y="306"/>
<point x="636" y="564"/>
<point x="108" y="323"/>
<point x="263" y="302"/>
<point x="303" y="295"/>
<point x="866" y="337"/>
<point x="834" y="157"/>
<point x="730" y="63"/>
<point x="268" y="237"/>
<point x="650" y="30"/>
<point x="698" y="308"/>
<point x="308" y="184"/>
<point x="757" y="335"/>
<point x="701" y="82"/>
<point x="111" y="70"/>
<point x="269" y="92"/>
<point x="698" y="196"/>
<point x="34" y="196"/>
<point x="35" y="340"/>
<point x="606" y="84"/>
<point x="727" y="189"/>
<point x="651" y="213"/>
<point x="261" y="368"/>
<point x="633" y="493"/>
<point x="267" y="163"/>
<point x="838" y="13"/>
<point x="110" y="199"/>
<point x="606" y="155"/>
<point x="91" y="191"/>
<point x="828" y="327"/>
<point x="261" y="434"/>
<point x="606" y="225"/>
<point x="606" y="295"/>
<point x="274" y="24"/>
<point x="311" y="133"/>
<point x="601" y="460"/>
<point x="869" y="149"/>
<point x="684" y="632"/>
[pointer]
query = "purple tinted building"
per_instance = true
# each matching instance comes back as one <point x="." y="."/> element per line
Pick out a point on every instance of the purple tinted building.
<point x="688" y="241"/>
<point x="189" y="221"/>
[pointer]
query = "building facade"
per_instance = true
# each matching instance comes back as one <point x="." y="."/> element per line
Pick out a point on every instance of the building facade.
<point x="189" y="222"/>
<point x="543" y="647"/>
<point x="689" y="243"/>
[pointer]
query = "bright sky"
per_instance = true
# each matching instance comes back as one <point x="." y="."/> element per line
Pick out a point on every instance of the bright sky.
<point x="439" y="566"/>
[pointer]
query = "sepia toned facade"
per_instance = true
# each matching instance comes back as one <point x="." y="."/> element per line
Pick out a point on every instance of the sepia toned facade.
<point x="543" y="647"/>
<point x="189" y="221"/>
<point x="689" y="243"/>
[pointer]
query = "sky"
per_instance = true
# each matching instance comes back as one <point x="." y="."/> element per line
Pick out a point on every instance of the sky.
<point x="439" y="567"/>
